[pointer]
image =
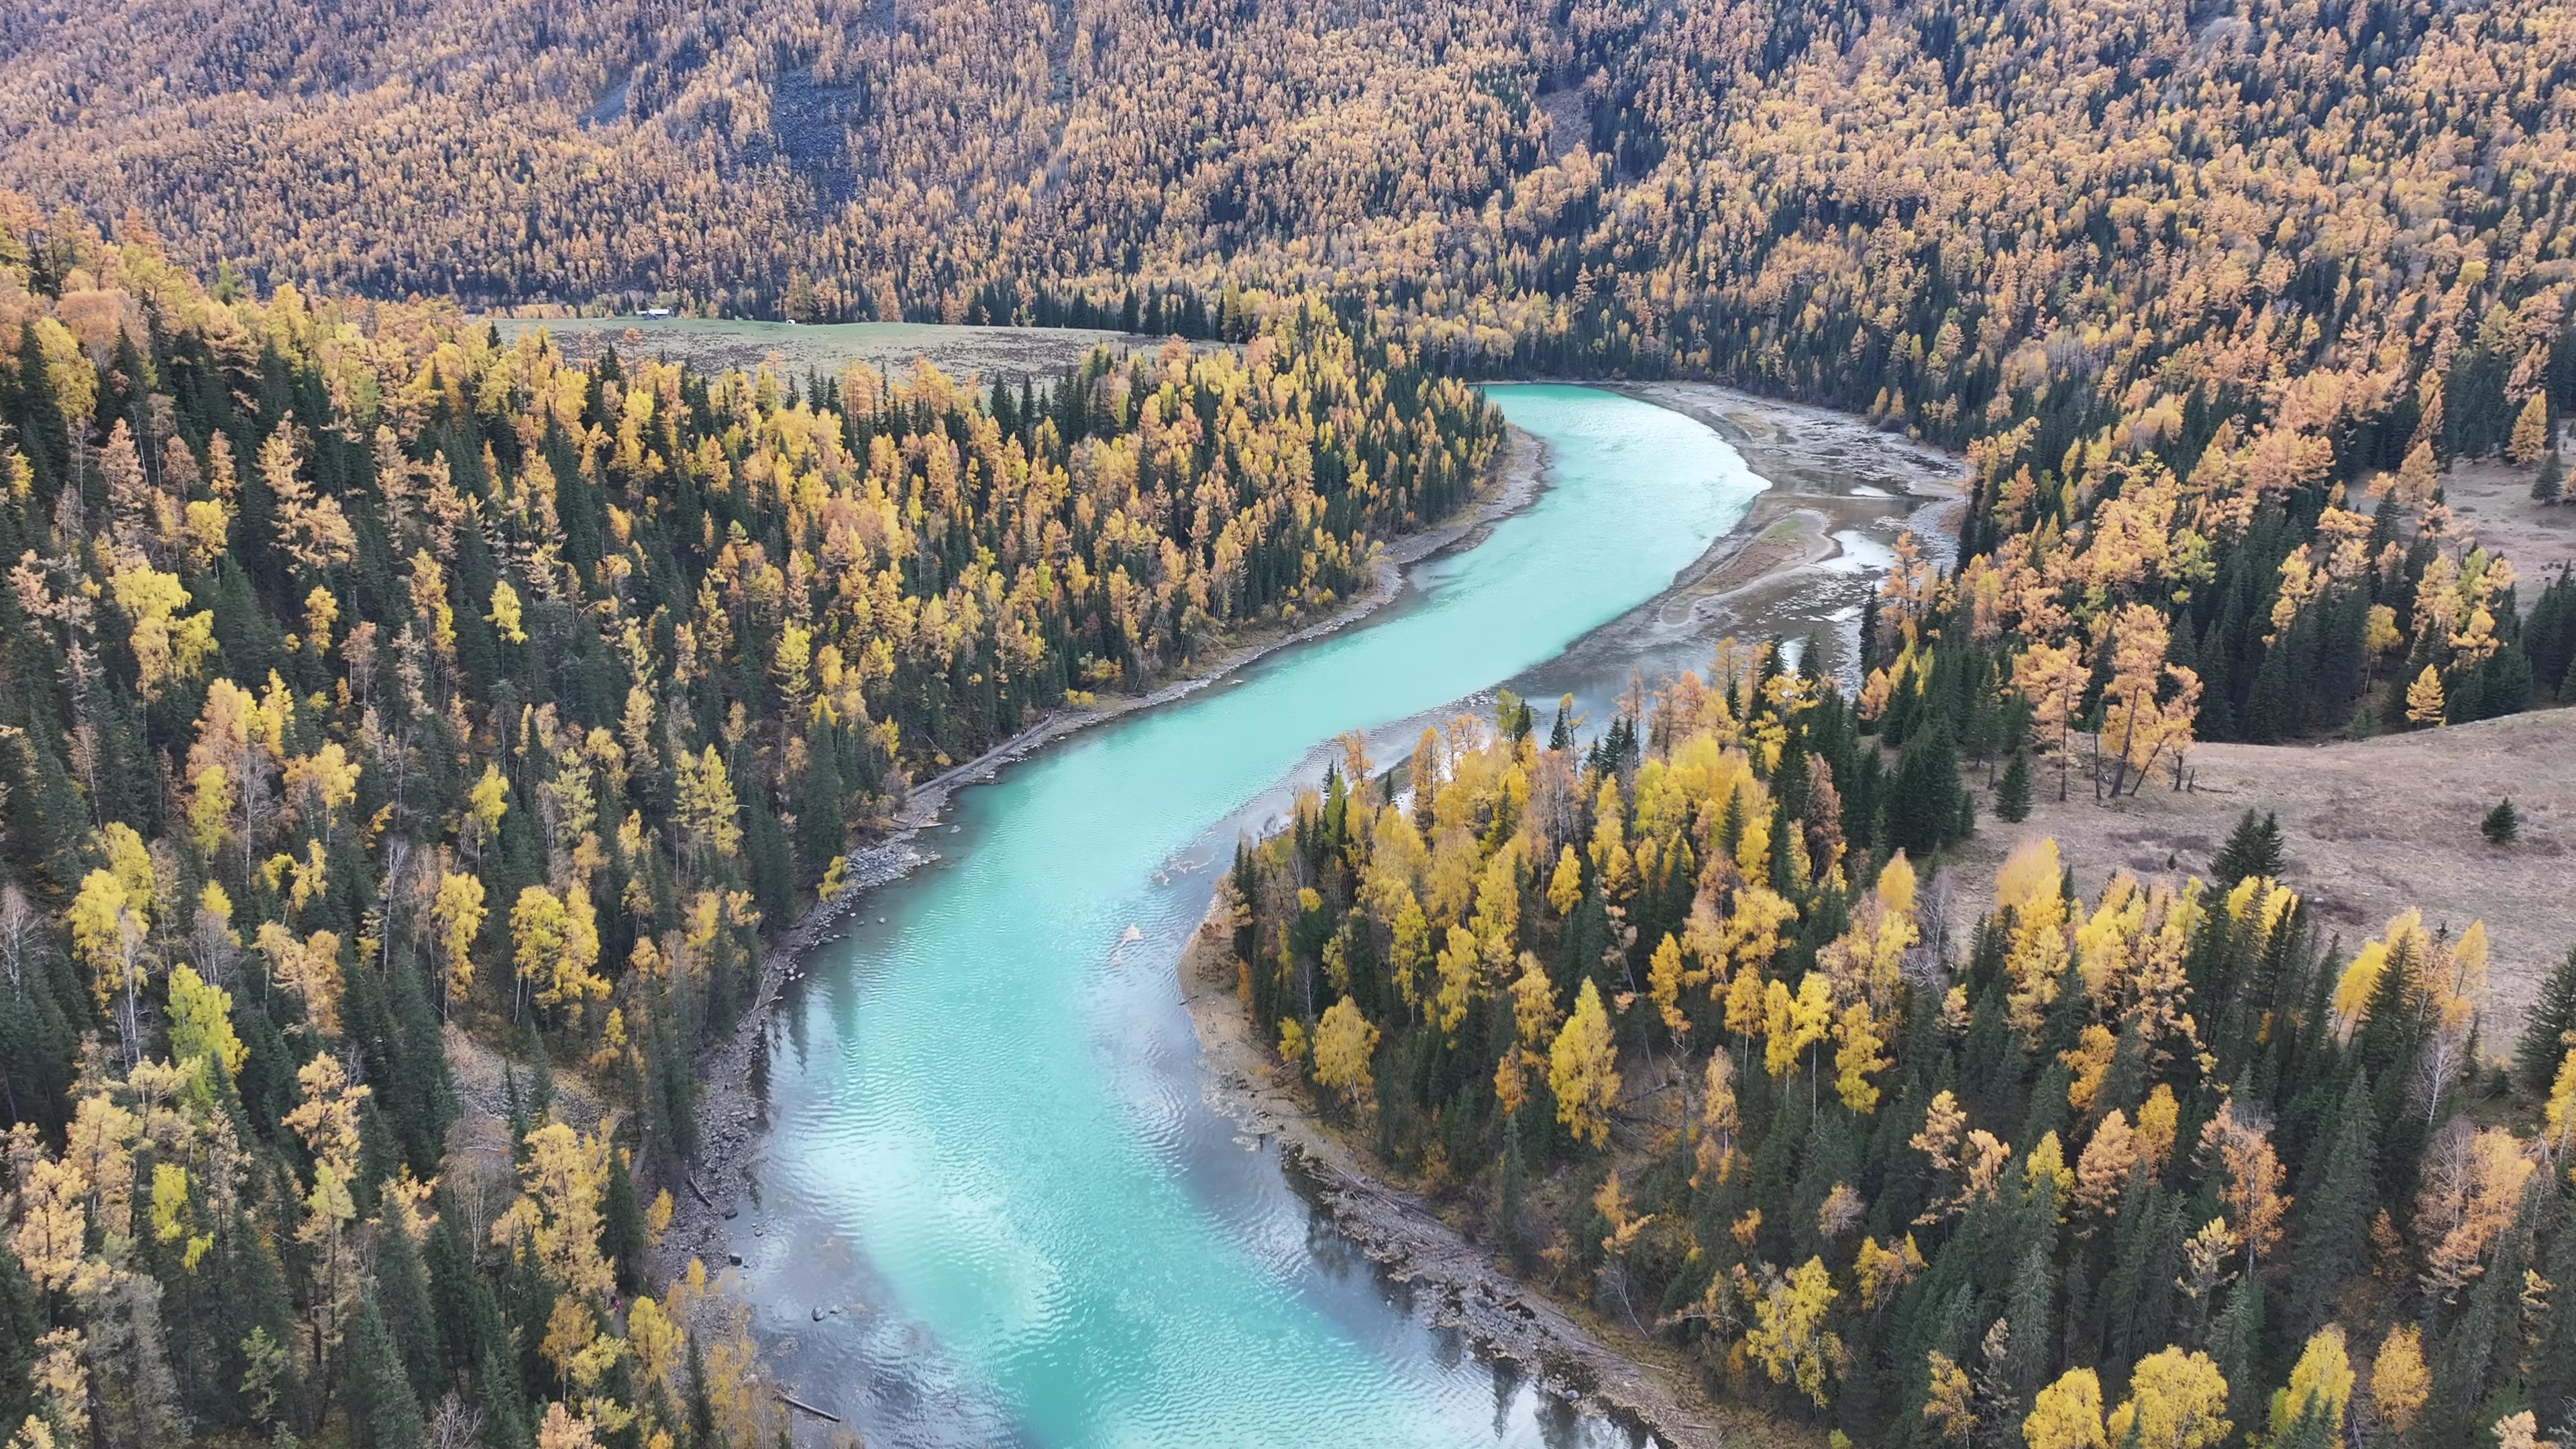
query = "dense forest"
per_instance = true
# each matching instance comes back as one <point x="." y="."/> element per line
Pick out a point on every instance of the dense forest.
<point x="373" y="690"/>
<point x="2129" y="261"/>
<point x="1677" y="1020"/>
<point x="381" y="697"/>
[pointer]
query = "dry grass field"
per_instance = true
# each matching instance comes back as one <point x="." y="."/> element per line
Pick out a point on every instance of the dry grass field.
<point x="2492" y="499"/>
<point x="714" y="343"/>
<point x="2372" y="827"/>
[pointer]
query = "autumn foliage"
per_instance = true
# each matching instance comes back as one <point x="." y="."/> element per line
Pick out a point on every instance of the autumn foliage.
<point x="2145" y="1165"/>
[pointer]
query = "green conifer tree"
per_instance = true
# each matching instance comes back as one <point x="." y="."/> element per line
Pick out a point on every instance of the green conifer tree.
<point x="2234" y="1341"/>
<point x="2545" y="1041"/>
<point x="2012" y="797"/>
<point x="621" y="1227"/>
<point x="383" y="1414"/>
<point x="402" y="1290"/>
<point x="2503" y="825"/>
<point x="2252" y="849"/>
<point x="2334" y="1212"/>
<point x="2553" y="1359"/>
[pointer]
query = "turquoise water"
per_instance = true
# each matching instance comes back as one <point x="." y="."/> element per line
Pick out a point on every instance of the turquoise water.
<point x="995" y="1206"/>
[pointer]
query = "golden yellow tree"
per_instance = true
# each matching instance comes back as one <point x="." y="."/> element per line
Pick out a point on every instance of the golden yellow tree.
<point x="201" y="1027"/>
<point x="2424" y="703"/>
<point x="1582" y="1069"/>
<point x="2530" y="431"/>
<point x="108" y="936"/>
<point x="1788" y="1337"/>
<point x="555" y="945"/>
<point x="2320" y="1383"/>
<point x="556" y="1215"/>
<point x="1345" y="1044"/>
<point x="458" y="912"/>
<point x="2176" y="1400"/>
<point x="2400" y="1384"/>
<point x="1857" y="1058"/>
<point x="2067" y="1414"/>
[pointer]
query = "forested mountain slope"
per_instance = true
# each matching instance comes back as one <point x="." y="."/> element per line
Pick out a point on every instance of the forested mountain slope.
<point x="2249" y="256"/>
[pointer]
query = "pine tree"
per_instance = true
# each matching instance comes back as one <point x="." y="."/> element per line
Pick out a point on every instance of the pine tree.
<point x="2334" y="1227"/>
<point x="22" y="1318"/>
<point x="2314" y="1428"/>
<point x="2253" y="849"/>
<point x="621" y="1228"/>
<point x="1923" y="806"/>
<point x="2234" y="1341"/>
<point x="2544" y="1036"/>
<point x="2012" y="797"/>
<point x="2503" y="825"/>
<point x="403" y="1290"/>
<point x="2547" y="486"/>
<point x="383" y="1414"/>
<point x="820" y="834"/>
<point x="2553" y="1360"/>
<point x="506" y="1423"/>
<point x="2483" y="1334"/>
<point x="2034" y="1291"/>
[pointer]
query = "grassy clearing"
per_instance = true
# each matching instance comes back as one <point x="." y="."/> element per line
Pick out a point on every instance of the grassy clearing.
<point x="712" y="343"/>
<point x="2373" y="826"/>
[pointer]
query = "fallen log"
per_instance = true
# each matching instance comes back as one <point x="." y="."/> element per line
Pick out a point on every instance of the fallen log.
<point x="793" y="1402"/>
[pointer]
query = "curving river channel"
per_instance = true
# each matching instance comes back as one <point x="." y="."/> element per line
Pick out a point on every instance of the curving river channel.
<point x="996" y="1205"/>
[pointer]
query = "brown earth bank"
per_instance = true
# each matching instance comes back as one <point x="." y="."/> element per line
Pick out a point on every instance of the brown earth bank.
<point x="1811" y="547"/>
<point x="730" y="1119"/>
<point x="2371" y="827"/>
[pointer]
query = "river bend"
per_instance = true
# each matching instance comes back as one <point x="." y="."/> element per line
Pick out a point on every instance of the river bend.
<point x="996" y="1206"/>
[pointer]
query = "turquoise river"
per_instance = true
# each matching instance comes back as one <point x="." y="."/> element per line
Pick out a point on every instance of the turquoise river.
<point x="996" y="1204"/>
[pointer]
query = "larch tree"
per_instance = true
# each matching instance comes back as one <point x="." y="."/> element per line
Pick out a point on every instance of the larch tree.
<point x="2067" y="1414"/>
<point x="2177" y="1400"/>
<point x="1345" y="1044"/>
<point x="2400" y="1384"/>
<point x="2424" y="702"/>
<point x="1582" y="1069"/>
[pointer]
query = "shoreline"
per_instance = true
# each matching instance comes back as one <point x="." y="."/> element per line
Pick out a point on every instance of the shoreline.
<point x="731" y="1120"/>
<point x="1753" y="569"/>
<point x="1791" y="537"/>
<point x="1642" y="1383"/>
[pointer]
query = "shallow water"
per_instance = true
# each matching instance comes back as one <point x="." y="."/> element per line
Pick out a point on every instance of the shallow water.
<point x="993" y="1172"/>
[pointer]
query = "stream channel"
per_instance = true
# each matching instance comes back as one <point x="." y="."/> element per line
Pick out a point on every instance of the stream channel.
<point x="996" y="1205"/>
